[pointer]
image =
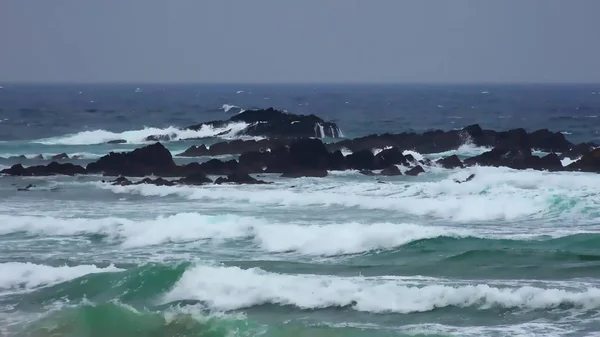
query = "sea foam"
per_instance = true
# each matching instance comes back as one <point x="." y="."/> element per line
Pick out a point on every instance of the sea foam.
<point x="138" y="136"/>
<point x="28" y="275"/>
<point x="232" y="288"/>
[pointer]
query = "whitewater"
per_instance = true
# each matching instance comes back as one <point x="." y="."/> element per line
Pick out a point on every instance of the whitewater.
<point x="508" y="253"/>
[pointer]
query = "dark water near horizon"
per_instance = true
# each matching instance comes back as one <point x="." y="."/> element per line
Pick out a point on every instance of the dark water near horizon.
<point x="511" y="253"/>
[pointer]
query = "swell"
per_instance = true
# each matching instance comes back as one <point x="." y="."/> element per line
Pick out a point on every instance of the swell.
<point x="231" y="288"/>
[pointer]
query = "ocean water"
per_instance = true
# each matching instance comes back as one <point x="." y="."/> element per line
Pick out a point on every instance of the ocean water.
<point x="511" y="253"/>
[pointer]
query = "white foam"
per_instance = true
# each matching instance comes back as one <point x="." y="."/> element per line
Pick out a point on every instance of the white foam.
<point x="415" y="154"/>
<point x="310" y="239"/>
<point x="466" y="150"/>
<point x="229" y="107"/>
<point x="231" y="288"/>
<point x="28" y="275"/>
<point x="568" y="161"/>
<point x="494" y="194"/>
<point x="139" y="136"/>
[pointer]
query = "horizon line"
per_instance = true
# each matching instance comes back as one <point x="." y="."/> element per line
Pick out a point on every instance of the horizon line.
<point x="337" y="83"/>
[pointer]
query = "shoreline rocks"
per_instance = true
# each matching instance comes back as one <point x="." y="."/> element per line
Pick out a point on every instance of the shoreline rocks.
<point x="310" y="157"/>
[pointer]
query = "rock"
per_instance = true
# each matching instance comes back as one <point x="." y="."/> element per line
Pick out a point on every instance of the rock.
<point x="116" y="141"/>
<point x="26" y="188"/>
<point x="21" y="157"/>
<point x="218" y="167"/>
<point x="306" y="173"/>
<point x="60" y="156"/>
<point x="415" y="171"/>
<point x="392" y="170"/>
<point x="578" y="151"/>
<point x="277" y="124"/>
<point x="195" y="151"/>
<point x="550" y="162"/>
<point x="120" y="181"/>
<point x="38" y="157"/>
<point x="195" y="179"/>
<point x="160" y="138"/>
<point x="589" y="162"/>
<point x="239" y="178"/>
<point x="450" y="162"/>
<point x="53" y="168"/>
<point x="439" y="141"/>
<point x="361" y="160"/>
<point x="514" y="158"/>
<point x="237" y="146"/>
<point x="469" y="178"/>
<point x="389" y="157"/>
<point x="548" y="141"/>
<point x="254" y="161"/>
<point x="367" y="172"/>
<point x="158" y="182"/>
<point x="153" y="159"/>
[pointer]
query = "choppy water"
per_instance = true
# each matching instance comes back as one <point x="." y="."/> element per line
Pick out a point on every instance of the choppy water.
<point x="509" y="254"/>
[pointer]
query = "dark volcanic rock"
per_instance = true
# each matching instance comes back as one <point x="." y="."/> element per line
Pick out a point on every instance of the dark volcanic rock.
<point x="440" y="141"/>
<point x="389" y="157"/>
<point x="578" y="150"/>
<point x="361" y="160"/>
<point x="158" y="182"/>
<point x="60" y="156"/>
<point x="450" y="162"/>
<point x="152" y="159"/>
<point x="195" y="179"/>
<point x="218" y="167"/>
<point x="589" y="162"/>
<point x="392" y="170"/>
<point x="305" y="173"/>
<point x="117" y="141"/>
<point x="53" y="168"/>
<point x="516" y="159"/>
<point x="235" y="147"/>
<point x="302" y="155"/>
<point x="277" y="124"/>
<point x="415" y="171"/>
<point x="501" y="157"/>
<point x="160" y="138"/>
<point x="239" y="178"/>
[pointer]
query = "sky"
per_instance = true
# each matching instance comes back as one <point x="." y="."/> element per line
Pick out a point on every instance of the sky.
<point x="316" y="41"/>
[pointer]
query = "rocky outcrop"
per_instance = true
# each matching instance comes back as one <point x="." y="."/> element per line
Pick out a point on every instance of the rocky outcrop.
<point x="277" y="124"/>
<point x="450" y="162"/>
<point x="415" y="171"/>
<point x="589" y="162"/>
<point x="235" y="147"/>
<point x="392" y="170"/>
<point x="149" y="160"/>
<point x="53" y="168"/>
<point x="239" y="178"/>
<point x="306" y="173"/>
<point x="440" y="141"/>
<point x="60" y="156"/>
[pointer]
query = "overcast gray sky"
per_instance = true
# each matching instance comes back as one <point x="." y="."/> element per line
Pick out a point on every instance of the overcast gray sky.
<point x="300" y="41"/>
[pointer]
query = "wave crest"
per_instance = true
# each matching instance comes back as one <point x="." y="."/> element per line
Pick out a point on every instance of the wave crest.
<point x="94" y="137"/>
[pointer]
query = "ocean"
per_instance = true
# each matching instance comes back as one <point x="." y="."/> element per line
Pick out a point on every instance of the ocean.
<point x="511" y="253"/>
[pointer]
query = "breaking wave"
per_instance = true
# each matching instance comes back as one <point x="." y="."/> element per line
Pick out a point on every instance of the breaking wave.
<point x="232" y="130"/>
